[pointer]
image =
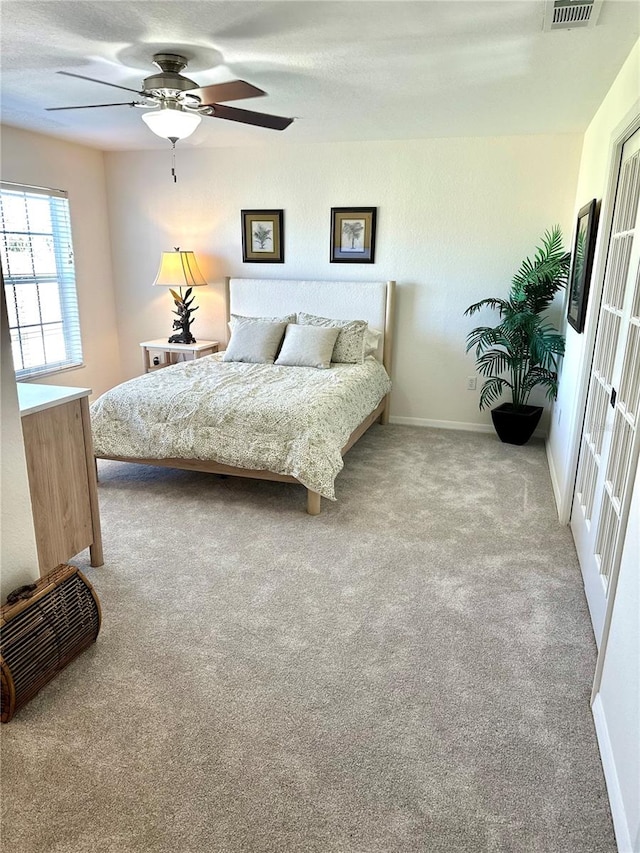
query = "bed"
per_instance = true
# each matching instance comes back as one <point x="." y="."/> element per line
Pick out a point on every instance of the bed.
<point x="263" y="421"/>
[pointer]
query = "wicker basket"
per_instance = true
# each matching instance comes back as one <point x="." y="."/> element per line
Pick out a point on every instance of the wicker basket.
<point x="41" y="634"/>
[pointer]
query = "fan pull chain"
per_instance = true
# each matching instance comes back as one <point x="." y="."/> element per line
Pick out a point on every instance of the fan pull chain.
<point x="173" y="163"/>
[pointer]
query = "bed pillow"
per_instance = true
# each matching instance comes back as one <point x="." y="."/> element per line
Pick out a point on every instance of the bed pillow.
<point x="289" y="318"/>
<point x="254" y="341"/>
<point x="349" y="348"/>
<point x="371" y="342"/>
<point x="307" y="346"/>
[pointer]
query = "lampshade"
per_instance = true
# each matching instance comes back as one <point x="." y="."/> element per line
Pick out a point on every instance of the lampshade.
<point x="171" y="122"/>
<point x="179" y="269"/>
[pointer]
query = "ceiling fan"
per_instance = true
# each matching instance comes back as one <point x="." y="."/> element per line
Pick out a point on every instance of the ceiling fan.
<point x="177" y="104"/>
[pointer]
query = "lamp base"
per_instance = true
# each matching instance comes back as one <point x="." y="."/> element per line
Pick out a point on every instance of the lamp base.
<point x="182" y="338"/>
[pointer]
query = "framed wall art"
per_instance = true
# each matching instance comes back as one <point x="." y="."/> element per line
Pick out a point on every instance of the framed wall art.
<point x="353" y="235"/>
<point x="581" y="264"/>
<point x="262" y="236"/>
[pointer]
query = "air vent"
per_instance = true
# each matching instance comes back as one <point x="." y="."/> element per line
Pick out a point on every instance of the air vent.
<point x="570" y="14"/>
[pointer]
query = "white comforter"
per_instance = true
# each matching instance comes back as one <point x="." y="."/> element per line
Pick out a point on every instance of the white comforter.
<point x="289" y="420"/>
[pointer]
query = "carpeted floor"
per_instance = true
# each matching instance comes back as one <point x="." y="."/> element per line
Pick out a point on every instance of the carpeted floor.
<point x="409" y="671"/>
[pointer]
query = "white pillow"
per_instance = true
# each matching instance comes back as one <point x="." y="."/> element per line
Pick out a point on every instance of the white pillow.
<point x="254" y="341"/>
<point x="289" y="318"/>
<point x="307" y="346"/>
<point x="349" y="348"/>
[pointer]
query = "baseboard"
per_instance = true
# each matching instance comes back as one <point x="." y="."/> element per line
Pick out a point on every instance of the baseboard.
<point x="458" y="425"/>
<point x="425" y="422"/>
<point x="620" y="824"/>
<point x="555" y="485"/>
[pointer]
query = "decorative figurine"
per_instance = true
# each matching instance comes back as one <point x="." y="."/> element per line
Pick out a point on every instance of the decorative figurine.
<point x="184" y="320"/>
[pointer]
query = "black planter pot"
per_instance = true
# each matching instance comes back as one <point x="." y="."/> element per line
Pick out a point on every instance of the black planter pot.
<point x="515" y="425"/>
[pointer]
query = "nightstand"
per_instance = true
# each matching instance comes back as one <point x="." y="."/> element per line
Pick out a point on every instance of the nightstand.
<point x="172" y="353"/>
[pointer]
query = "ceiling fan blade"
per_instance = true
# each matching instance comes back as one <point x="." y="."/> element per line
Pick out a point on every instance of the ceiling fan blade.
<point x="94" y="106"/>
<point x="233" y="90"/>
<point x="249" y="117"/>
<point x="102" y="82"/>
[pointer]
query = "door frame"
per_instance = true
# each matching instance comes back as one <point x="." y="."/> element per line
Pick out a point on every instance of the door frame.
<point x="623" y="131"/>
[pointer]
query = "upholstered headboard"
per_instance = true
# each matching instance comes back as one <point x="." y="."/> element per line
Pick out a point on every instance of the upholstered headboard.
<point x="343" y="300"/>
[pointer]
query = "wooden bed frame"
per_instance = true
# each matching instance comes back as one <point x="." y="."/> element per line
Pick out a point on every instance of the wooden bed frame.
<point x="381" y="414"/>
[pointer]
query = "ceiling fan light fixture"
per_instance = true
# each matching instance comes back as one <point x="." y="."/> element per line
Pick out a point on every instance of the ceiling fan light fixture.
<point x="171" y="122"/>
<point x="176" y="103"/>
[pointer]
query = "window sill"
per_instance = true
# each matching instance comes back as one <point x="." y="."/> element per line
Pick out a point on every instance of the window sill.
<point x="41" y="374"/>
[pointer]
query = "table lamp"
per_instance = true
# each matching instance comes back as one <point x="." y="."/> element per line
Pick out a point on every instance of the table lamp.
<point x="180" y="269"/>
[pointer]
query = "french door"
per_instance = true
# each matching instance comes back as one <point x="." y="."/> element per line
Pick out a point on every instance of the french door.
<point x="611" y="437"/>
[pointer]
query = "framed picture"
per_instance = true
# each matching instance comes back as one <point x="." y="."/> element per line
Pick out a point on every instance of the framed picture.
<point x="353" y="235"/>
<point x="262" y="236"/>
<point x="581" y="264"/>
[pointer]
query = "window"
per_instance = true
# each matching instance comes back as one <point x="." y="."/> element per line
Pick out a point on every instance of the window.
<point x="39" y="279"/>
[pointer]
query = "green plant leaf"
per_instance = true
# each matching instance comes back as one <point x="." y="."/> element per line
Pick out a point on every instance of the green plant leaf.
<point x="541" y="279"/>
<point x="492" y="390"/>
<point x="545" y="378"/>
<point x="493" y="362"/>
<point x="484" y="337"/>
<point x="491" y="302"/>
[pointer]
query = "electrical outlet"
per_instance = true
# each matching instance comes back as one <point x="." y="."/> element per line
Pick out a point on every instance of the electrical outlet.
<point x="472" y="382"/>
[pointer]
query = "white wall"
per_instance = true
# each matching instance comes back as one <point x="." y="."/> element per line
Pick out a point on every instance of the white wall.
<point x="18" y="554"/>
<point x="455" y="219"/>
<point x="592" y="181"/>
<point x="30" y="158"/>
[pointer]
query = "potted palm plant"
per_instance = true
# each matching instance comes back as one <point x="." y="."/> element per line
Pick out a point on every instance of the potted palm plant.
<point x="522" y="351"/>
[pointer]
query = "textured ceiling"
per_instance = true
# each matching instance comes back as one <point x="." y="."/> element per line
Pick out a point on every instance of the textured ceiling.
<point x="345" y="70"/>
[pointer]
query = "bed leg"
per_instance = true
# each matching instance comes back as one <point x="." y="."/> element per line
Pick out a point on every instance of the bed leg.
<point x="384" y="417"/>
<point x="313" y="502"/>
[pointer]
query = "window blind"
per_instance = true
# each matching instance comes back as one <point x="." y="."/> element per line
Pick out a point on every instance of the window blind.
<point x="36" y="253"/>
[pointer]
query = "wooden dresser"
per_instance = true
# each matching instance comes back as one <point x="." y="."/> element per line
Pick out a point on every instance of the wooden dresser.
<point x="62" y="473"/>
